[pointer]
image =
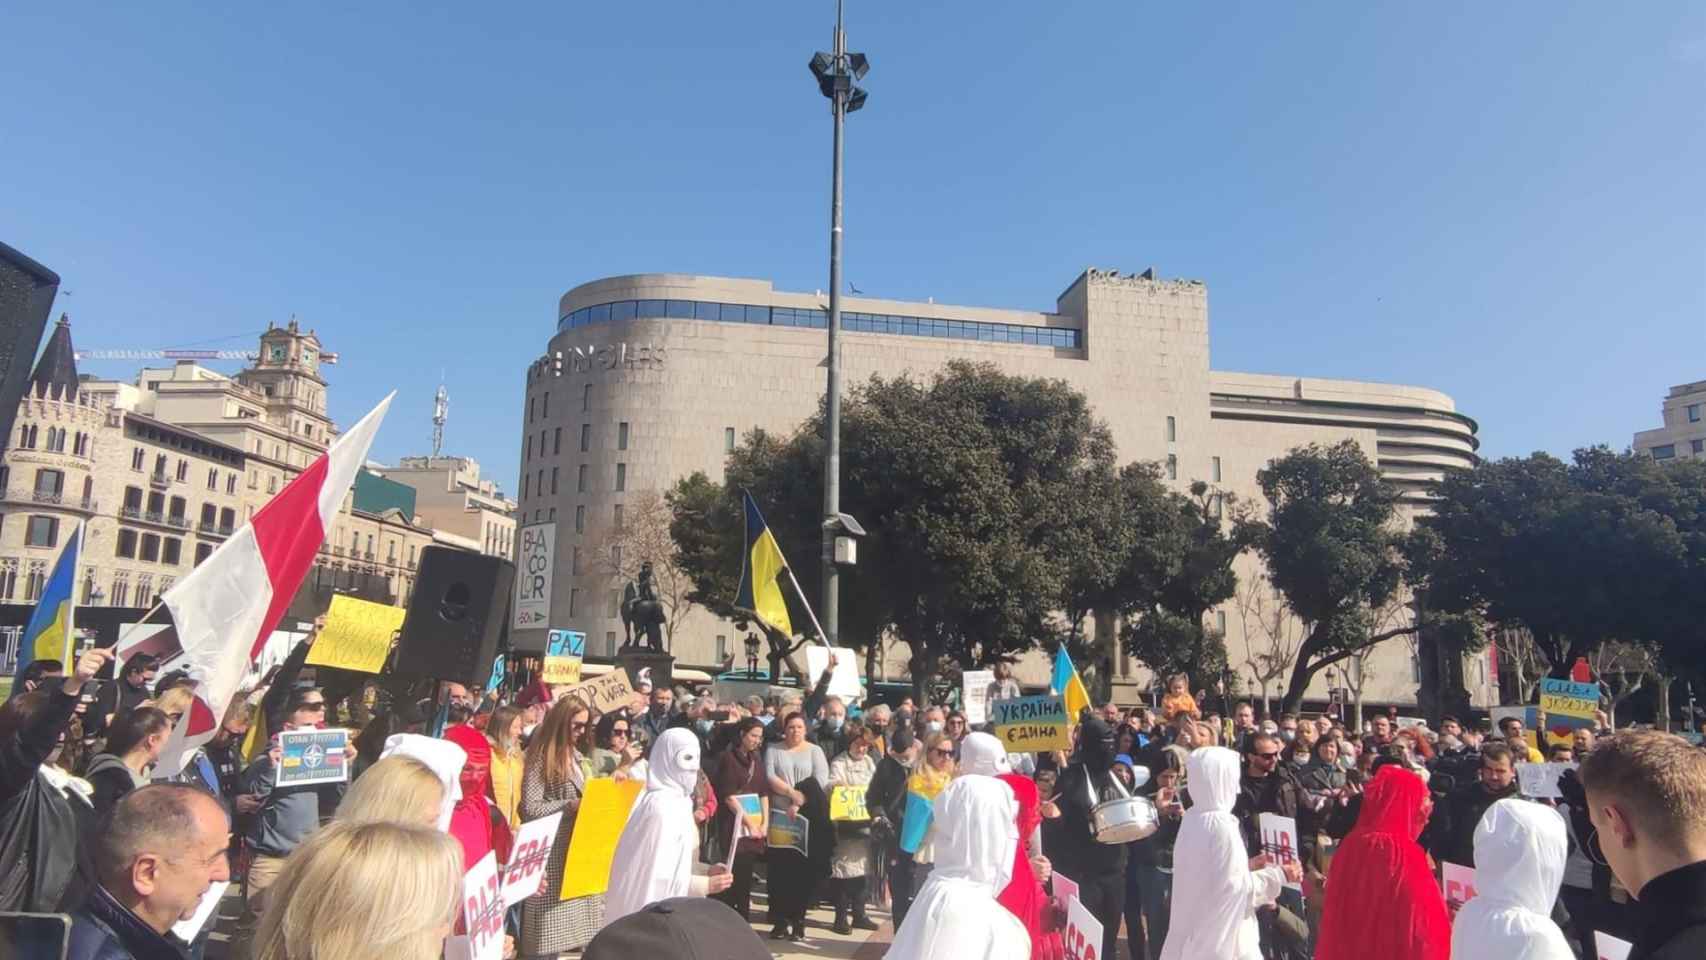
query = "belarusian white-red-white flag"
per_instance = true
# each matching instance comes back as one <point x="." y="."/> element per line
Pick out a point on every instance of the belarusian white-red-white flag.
<point x="224" y="611"/>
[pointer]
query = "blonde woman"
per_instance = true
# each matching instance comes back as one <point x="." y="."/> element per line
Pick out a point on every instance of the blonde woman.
<point x="398" y="789"/>
<point x="554" y="778"/>
<point x="358" y="890"/>
<point x="504" y="732"/>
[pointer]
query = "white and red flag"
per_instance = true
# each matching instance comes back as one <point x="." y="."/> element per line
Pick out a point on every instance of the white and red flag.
<point x="223" y="612"/>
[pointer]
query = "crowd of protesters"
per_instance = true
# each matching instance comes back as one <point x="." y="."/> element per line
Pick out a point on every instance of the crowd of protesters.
<point x="961" y="844"/>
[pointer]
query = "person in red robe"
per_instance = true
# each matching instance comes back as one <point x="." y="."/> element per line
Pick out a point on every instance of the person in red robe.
<point x="982" y="754"/>
<point x="472" y="820"/>
<point x="1382" y="899"/>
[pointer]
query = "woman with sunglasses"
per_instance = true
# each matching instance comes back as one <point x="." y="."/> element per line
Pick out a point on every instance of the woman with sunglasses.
<point x="553" y="779"/>
<point x="736" y="771"/>
<point x="614" y="748"/>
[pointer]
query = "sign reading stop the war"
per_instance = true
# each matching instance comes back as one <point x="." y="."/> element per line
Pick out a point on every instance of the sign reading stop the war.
<point x="483" y="909"/>
<point x="1082" y="937"/>
<point x="1279" y="841"/>
<point x="525" y="871"/>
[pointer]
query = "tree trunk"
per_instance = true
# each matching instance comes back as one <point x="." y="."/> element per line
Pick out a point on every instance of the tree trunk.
<point x="1663" y="719"/>
<point x="1301" y="673"/>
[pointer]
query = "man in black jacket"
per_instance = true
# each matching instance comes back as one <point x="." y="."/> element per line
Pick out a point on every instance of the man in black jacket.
<point x="1099" y="868"/>
<point x="124" y="694"/>
<point x="885" y="798"/>
<point x="1646" y="794"/>
<point x="1266" y="788"/>
<point x="1452" y="827"/>
<point x="161" y="851"/>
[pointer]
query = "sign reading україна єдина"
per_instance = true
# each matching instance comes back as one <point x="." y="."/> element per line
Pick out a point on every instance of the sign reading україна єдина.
<point x="1028" y="724"/>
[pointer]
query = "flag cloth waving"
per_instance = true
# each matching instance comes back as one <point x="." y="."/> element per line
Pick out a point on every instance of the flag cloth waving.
<point x="760" y="567"/>
<point x="224" y="611"/>
<point x="48" y="636"/>
<point x="1067" y="684"/>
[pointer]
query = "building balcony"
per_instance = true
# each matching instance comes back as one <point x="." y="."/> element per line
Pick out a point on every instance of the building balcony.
<point x="208" y="529"/>
<point x="178" y="520"/>
<point x="50" y="499"/>
<point x="159" y="481"/>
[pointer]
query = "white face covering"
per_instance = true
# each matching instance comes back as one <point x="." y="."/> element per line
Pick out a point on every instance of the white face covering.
<point x="654" y="856"/>
<point x="984" y="755"/>
<point x="956" y="914"/>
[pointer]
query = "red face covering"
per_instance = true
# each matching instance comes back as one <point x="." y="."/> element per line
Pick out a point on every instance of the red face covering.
<point x="1382" y="900"/>
<point x="472" y="822"/>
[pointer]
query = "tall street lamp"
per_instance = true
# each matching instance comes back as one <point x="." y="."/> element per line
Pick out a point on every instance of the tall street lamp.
<point x="836" y="74"/>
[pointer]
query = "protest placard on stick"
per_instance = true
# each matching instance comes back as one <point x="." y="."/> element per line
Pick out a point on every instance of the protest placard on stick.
<point x="357" y="635"/>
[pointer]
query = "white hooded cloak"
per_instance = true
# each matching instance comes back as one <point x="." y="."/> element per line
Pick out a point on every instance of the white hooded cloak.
<point x="1520" y="851"/>
<point x="1215" y="893"/>
<point x="654" y="856"/>
<point x="983" y="755"/>
<point x="443" y="757"/>
<point x="956" y="915"/>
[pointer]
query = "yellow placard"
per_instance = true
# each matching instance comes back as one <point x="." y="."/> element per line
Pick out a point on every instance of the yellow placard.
<point x="560" y="670"/>
<point x="603" y="812"/>
<point x="357" y="635"/>
<point x="847" y="803"/>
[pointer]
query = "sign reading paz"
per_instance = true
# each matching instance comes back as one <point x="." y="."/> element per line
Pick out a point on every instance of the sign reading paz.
<point x="483" y="910"/>
<point x="1459" y="883"/>
<point x="357" y="635"/>
<point x="1029" y="724"/>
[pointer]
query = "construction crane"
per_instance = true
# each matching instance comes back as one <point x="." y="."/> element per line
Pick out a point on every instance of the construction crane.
<point x="245" y="355"/>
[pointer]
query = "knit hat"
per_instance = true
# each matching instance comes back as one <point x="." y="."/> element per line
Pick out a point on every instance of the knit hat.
<point x="686" y="928"/>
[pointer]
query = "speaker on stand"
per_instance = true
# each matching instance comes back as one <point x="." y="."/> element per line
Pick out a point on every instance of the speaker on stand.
<point x="456" y="616"/>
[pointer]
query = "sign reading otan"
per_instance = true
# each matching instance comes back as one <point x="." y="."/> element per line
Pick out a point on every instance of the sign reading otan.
<point x="534" y="562"/>
<point x="1028" y="724"/>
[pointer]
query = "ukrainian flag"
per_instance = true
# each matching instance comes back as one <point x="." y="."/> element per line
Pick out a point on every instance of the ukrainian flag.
<point x="48" y="636"/>
<point x="761" y="565"/>
<point x="1068" y="684"/>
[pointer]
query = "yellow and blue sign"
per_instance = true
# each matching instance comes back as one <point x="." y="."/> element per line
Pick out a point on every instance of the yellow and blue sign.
<point x="1030" y="724"/>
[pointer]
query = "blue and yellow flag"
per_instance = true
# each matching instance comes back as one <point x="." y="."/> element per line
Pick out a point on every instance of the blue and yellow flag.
<point x="761" y="565"/>
<point x="48" y="636"/>
<point x="1067" y="684"/>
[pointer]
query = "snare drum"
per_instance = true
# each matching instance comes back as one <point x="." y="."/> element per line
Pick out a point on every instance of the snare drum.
<point x="1122" y="819"/>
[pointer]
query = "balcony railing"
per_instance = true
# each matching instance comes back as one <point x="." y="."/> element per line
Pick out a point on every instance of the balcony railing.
<point x="48" y="498"/>
<point x="178" y="520"/>
<point x="159" y="481"/>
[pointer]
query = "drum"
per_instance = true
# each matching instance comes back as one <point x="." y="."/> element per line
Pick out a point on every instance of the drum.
<point x="1122" y="819"/>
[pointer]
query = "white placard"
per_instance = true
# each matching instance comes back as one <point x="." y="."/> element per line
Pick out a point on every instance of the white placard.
<point x="1083" y="934"/>
<point x="844" y="683"/>
<point x="974" y="695"/>
<point x="1279" y="841"/>
<point x="1610" y="948"/>
<point x="1458" y="883"/>
<point x="1065" y="888"/>
<point x="186" y="930"/>
<point x="1540" y="780"/>
<point x="526" y="868"/>
<point x="483" y="909"/>
<point x="534" y="559"/>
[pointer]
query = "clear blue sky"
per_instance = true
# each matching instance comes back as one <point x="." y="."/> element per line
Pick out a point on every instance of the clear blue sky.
<point x="1503" y="201"/>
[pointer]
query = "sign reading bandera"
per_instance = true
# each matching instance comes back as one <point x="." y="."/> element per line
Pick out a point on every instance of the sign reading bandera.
<point x="534" y="561"/>
<point x="1030" y="724"/>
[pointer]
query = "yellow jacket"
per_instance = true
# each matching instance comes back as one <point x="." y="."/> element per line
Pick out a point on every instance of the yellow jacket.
<point x="506" y="785"/>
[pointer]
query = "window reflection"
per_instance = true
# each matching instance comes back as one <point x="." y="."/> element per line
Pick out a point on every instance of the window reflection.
<point x="812" y="318"/>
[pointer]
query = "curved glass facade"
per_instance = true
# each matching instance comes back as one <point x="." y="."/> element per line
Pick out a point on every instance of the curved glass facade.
<point x="623" y="310"/>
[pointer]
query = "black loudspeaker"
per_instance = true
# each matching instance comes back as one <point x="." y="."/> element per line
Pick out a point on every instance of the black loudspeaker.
<point x="27" y="290"/>
<point x="455" y="617"/>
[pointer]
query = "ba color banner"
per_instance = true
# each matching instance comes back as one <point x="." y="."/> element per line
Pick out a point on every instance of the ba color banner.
<point x="915" y="822"/>
<point x="357" y="635"/>
<point x="561" y="670"/>
<point x="847" y="803"/>
<point x="604" y="811"/>
<point x="1031" y="724"/>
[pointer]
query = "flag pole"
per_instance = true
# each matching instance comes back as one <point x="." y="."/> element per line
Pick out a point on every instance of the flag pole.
<point x="808" y="604"/>
<point x="70" y="648"/>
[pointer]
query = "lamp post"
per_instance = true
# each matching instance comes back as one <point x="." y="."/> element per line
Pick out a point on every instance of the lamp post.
<point x="836" y="72"/>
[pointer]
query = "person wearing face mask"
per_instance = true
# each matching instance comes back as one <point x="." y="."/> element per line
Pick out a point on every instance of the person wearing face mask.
<point x="1099" y="868"/>
<point x="479" y="825"/>
<point x="655" y="854"/>
<point x="956" y="915"/>
<point x="831" y="732"/>
<point x="935" y="721"/>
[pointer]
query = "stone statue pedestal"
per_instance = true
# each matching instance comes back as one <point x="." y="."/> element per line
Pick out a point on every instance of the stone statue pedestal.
<point x="645" y="665"/>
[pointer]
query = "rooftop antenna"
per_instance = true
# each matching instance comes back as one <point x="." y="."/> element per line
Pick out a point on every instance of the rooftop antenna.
<point x="440" y="413"/>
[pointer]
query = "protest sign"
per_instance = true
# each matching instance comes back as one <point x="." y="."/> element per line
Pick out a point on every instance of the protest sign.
<point x="844" y="682"/>
<point x="1540" y="780"/>
<point x="1405" y="723"/>
<point x="357" y="635"/>
<point x="789" y="831"/>
<point x="974" y="695"/>
<point x="1065" y="890"/>
<point x="1279" y="840"/>
<point x="499" y="667"/>
<point x="565" y="643"/>
<point x="526" y="868"/>
<point x="751" y="811"/>
<point x="483" y="909"/>
<point x="561" y="670"/>
<point x="1030" y="724"/>
<point x="312" y="756"/>
<point x="603" y="693"/>
<point x="1082" y="937"/>
<point x="535" y="562"/>
<point x="1459" y="884"/>
<point x="186" y="930"/>
<point x="604" y="811"/>
<point x="1610" y="948"/>
<point x="1568" y="707"/>
<point x="847" y="803"/>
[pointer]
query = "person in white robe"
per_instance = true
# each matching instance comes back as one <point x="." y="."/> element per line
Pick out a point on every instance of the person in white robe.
<point x="956" y="914"/>
<point x="1215" y="893"/>
<point x="654" y="855"/>
<point x="983" y="755"/>
<point x="1520" y="851"/>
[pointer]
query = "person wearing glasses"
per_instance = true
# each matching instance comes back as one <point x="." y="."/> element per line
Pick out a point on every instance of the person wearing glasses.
<point x="1267" y="788"/>
<point x="615" y="751"/>
<point x="554" y="779"/>
<point x="284" y="816"/>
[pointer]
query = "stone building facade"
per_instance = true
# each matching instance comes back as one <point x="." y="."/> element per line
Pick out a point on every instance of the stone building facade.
<point x="650" y="377"/>
<point x="451" y="498"/>
<point x="1684" y="430"/>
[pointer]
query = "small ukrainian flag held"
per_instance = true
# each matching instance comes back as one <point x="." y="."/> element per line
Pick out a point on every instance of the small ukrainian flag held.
<point x="761" y="565"/>
<point x="1067" y="684"/>
<point x="48" y="636"/>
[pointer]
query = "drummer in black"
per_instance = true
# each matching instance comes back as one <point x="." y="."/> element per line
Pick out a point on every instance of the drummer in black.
<point x="1098" y="868"/>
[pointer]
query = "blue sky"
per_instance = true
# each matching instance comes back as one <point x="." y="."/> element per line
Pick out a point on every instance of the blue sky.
<point x="1503" y="201"/>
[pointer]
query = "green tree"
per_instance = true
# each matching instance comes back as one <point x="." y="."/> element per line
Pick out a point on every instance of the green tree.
<point x="1332" y="549"/>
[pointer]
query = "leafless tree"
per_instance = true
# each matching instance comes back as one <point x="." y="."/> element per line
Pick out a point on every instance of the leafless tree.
<point x="617" y="553"/>
<point x="1273" y="635"/>
<point x="1522" y="660"/>
<point x="1622" y="669"/>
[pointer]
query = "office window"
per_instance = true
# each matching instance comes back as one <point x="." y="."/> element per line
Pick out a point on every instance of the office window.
<point x="1697" y="446"/>
<point x="545" y="405"/>
<point x="728" y="439"/>
<point x="553" y="480"/>
<point x="722" y="647"/>
<point x="126" y="546"/>
<point x="616" y="513"/>
<point x="580" y="479"/>
<point x="151" y="547"/>
<point x="530" y="401"/>
<point x="580" y="519"/>
<point x="610" y="640"/>
<point x="178" y="508"/>
<point x="540" y="485"/>
<point x="136" y="459"/>
<point x="160" y="465"/>
<point x="542" y="436"/>
<point x="526" y="478"/>
<point x="1694" y="413"/>
<point x="622" y="435"/>
<point x="586" y="397"/>
<point x="556" y="441"/>
<point x="213" y="480"/>
<point x="1214" y="470"/>
<point x="621" y="477"/>
<point x="49" y="485"/>
<point x="1666" y="452"/>
<point x="227" y="520"/>
<point x="586" y="437"/>
<point x="173" y="551"/>
<point x="202" y="552"/>
<point x="183" y="470"/>
<point x="529" y="447"/>
<point x="34" y="581"/>
<point x="209" y="514"/>
<point x="272" y="483"/>
<point x="574" y="561"/>
<point x="42" y="532"/>
<point x="1220" y="621"/>
<point x="1172" y="429"/>
<point x="1172" y="467"/>
<point x="231" y="483"/>
<point x="8" y="581"/>
<point x="574" y="600"/>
